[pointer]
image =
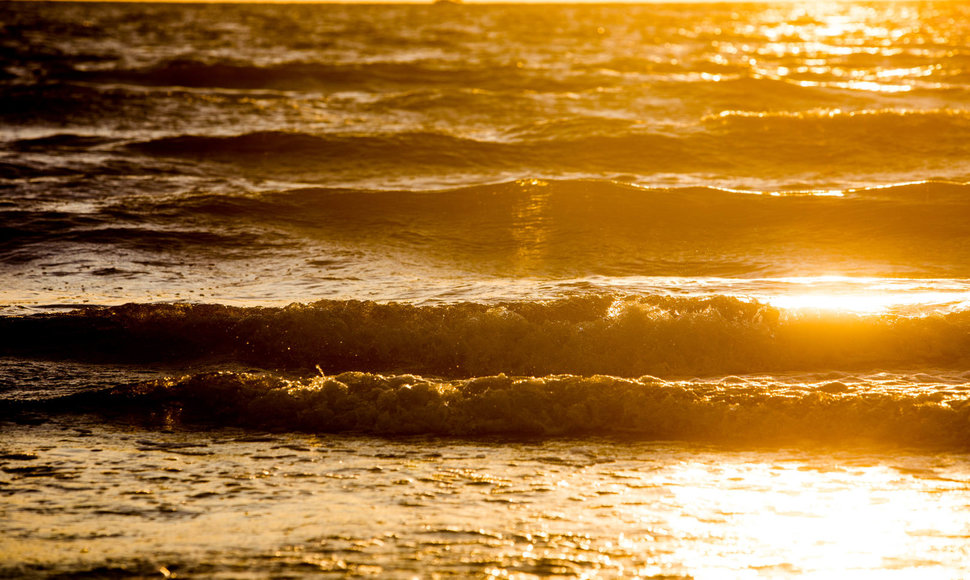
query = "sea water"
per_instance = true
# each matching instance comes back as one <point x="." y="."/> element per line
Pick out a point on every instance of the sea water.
<point x="656" y="290"/>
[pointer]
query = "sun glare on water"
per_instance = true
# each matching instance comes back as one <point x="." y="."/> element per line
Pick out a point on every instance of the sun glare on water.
<point x="839" y="294"/>
<point x="842" y="521"/>
<point x="859" y="297"/>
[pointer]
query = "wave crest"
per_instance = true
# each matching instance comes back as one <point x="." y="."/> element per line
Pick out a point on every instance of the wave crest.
<point x="586" y="334"/>
<point x="644" y="408"/>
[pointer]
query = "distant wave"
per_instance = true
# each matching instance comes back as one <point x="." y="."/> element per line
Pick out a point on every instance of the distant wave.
<point x="65" y="104"/>
<point x="922" y="131"/>
<point x="319" y="76"/>
<point x="60" y="142"/>
<point x="586" y="334"/>
<point x="285" y="149"/>
<point x="728" y="410"/>
<point x="652" y="92"/>
<point x="278" y="152"/>
<point x="843" y="146"/>
<point x="769" y="146"/>
<point x="46" y="230"/>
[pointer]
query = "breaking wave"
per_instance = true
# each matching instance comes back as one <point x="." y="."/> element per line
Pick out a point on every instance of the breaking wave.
<point x="733" y="409"/>
<point x="587" y="334"/>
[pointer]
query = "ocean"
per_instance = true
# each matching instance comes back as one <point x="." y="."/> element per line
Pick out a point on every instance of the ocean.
<point x="485" y="290"/>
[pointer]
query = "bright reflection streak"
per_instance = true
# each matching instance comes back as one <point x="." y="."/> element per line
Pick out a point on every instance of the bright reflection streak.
<point x="864" y="302"/>
<point x="867" y="295"/>
<point x="830" y="294"/>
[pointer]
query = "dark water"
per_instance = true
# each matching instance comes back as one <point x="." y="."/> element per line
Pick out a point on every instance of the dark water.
<point x="266" y="154"/>
<point x="691" y="242"/>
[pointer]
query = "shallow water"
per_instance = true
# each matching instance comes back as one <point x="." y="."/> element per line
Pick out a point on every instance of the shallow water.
<point x="95" y="501"/>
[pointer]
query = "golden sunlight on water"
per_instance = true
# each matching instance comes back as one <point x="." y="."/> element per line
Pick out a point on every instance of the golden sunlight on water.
<point x="837" y="294"/>
<point x="824" y="294"/>
<point x="583" y="508"/>
<point x="822" y="44"/>
<point x="530" y="227"/>
<point x="518" y="260"/>
<point x="816" y="520"/>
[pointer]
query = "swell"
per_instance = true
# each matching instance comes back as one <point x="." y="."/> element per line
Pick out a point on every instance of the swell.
<point x="29" y="234"/>
<point x="600" y="227"/>
<point x="563" y="228"/>
<point x="811" y="147"/>
<point x="564" y="405"/>
<point x="834" y="132"/>
<point x="321" y="76"/>
<point x="277" y="151"/>
<point x="779" y="146"/>
<point x="599" y="202"/>
<point x="586" y="334"/>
